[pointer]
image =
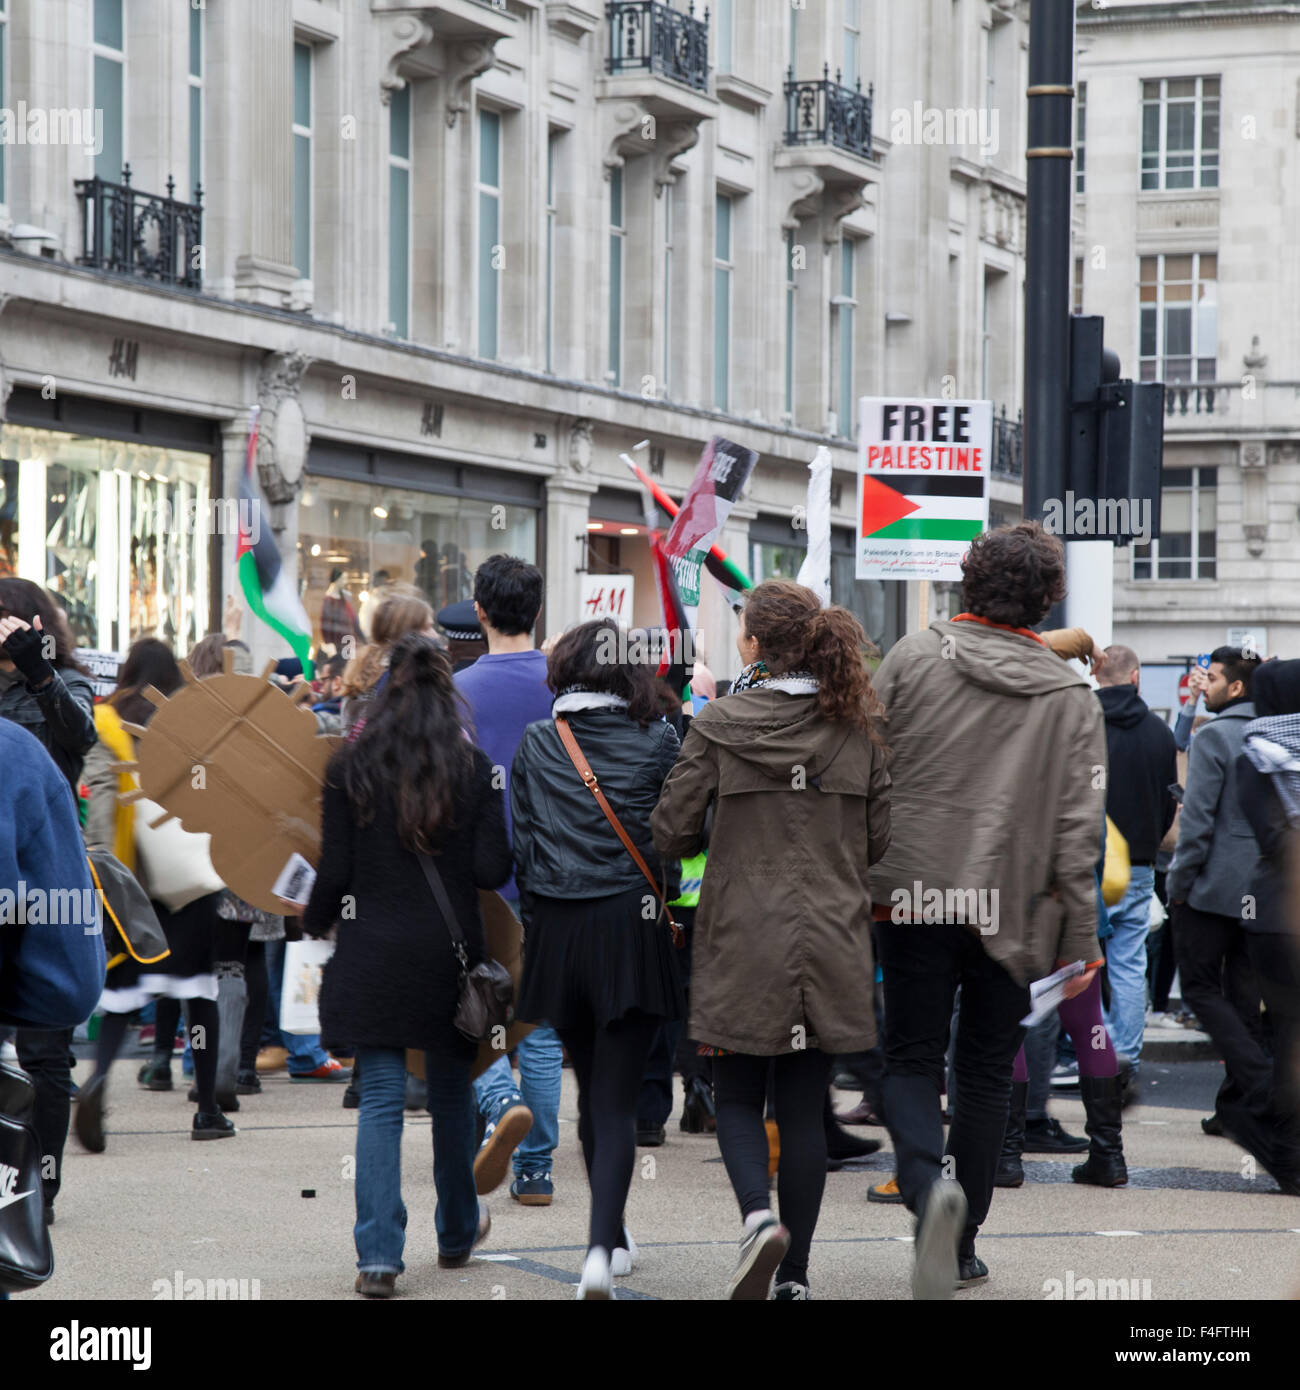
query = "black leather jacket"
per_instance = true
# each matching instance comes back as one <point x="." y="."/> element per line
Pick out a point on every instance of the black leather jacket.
<point x="60" y="715"/>
<point x="563" y="845"/>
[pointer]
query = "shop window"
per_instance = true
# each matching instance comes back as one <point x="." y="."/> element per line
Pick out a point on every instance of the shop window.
<point x="119" y="533"/>
<point x="377" y="535"/>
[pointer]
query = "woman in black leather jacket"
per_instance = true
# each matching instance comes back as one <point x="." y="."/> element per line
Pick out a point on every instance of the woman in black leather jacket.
<point x="50" y="695"/>
<point x="599" y="963"/>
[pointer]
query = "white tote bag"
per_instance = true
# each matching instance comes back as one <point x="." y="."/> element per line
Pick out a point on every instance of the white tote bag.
<point x="304" y="961"/>
<point x="175" y="864"/>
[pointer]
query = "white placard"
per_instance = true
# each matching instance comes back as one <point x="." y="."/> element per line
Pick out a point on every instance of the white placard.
<point x="923" y="471"/>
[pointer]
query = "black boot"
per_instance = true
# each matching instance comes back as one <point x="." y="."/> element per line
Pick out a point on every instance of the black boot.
<point x="698" y="1115"/>
<point x="1010" y="1171"/>
<point x="841" y="1146"/>
<point x="1105" y="1165"/>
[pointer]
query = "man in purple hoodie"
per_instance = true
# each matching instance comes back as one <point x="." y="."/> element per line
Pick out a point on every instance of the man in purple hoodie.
<point x="506" y="690"/>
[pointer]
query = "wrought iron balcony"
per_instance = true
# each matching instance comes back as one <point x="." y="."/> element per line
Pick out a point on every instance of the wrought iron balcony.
<point x="142" y="234"/>
<point x="828" y="113"/>
<point x="647" y="36"/>
<point x="1009" y="445"/>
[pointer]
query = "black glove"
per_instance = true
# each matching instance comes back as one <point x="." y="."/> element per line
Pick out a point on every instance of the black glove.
<point x="24" y="649"/>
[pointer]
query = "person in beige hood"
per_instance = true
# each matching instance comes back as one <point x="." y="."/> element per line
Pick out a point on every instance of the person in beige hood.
<point x="999" y="767"/>
<point x="793" y="764"/>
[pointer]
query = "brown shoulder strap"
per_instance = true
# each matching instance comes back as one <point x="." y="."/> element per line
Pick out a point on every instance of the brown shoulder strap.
<point x="579" y="760"/>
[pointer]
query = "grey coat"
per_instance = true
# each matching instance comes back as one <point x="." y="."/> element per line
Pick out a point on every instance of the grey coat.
<point x="1216" y="855"/>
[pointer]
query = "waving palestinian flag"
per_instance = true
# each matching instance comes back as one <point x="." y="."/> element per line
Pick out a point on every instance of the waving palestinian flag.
<point x="267" y="588"/>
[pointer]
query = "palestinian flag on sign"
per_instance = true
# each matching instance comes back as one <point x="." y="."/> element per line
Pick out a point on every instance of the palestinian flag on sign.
<point x="672" y="666"/>
<point x="721" y="474"/>
<point x="922" y="507"/>
<point x="266" y="586"/>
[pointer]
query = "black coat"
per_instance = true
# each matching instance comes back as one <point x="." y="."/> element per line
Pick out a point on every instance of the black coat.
<point x="393" y="980"/>
<point x="1273" y="909"/>
<point x="1142" y="763"/>
<point x="564" y="846"/>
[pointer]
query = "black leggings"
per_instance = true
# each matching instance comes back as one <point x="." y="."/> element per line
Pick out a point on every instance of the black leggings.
<point x="608" y="1064"/>
<point x="199" y="1014"/>
<point x="740" y="1092"/>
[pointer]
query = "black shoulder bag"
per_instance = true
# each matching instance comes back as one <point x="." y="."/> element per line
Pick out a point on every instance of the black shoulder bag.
<point x="487" y="992"/>
<point x="26" y="1255"/>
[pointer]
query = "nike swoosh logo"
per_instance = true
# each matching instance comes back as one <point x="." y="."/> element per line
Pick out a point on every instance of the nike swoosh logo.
<point x="17" y="1197"/>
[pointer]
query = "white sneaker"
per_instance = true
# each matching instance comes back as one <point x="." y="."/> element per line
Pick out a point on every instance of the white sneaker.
<point x="622" y="1261"/>
<point x="596" y="1284"/>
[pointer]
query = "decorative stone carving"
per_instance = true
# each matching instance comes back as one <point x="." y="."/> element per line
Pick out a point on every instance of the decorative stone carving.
<point x="406" y="35"/>
<point x="580" y="446"/>
<point x="802" y="191"/>
<point x="1255" y="361"/>
<point x="1253" y="455"/>
<point x="1256" y="538"/>
<point x="283" y="439"/>
<point x="1002" y="218"/>
<point x="471" y="60"/>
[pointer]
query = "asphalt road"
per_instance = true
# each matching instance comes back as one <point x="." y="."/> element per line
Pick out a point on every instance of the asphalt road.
<point x="157" y="1208"/>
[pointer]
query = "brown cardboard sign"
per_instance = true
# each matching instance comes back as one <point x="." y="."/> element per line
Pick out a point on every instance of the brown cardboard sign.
<point x="237" y="758"/>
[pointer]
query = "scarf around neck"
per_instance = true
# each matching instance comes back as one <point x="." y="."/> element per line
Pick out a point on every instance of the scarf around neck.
<point x="792" y="683"/>
<point x="1273" y="745"/>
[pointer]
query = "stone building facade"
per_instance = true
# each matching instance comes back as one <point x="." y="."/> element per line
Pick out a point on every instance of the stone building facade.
<point x="1186" y="223"/>
<point x="464" y="254"/>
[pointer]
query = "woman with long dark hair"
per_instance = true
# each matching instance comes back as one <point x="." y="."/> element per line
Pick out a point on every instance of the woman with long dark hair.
<point x="599" y="965"/>
<point x="793" y="763"/>
<point x="410" y="785"/>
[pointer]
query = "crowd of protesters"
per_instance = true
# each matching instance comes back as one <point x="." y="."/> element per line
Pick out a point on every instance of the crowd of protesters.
<point x="871" y="869"/>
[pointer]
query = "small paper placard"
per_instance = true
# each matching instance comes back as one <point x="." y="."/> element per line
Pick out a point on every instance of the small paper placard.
<point x="1048" y="994"/>
<point x="295" y="882"/>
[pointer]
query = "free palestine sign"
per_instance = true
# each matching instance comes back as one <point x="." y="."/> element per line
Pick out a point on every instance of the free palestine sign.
<point x="923" y="470"/>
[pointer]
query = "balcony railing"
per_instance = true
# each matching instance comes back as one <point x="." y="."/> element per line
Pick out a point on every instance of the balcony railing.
<point x="142" y="234"/>
<point x="828" y="113"/>
<point x="647" y="36"/>
<point x="1009" y="445"/>
<point x="1196" y="397"/>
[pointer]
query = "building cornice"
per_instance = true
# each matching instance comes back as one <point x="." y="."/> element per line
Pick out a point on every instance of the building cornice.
<point x="62" y="290"/>
<point x="1183" y="14"/>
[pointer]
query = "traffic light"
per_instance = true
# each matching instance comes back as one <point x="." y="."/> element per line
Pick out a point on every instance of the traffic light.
<point x="1116" y="439"/>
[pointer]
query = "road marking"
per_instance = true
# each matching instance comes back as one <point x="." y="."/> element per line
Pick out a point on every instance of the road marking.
<point x="1117" y="1233"/>
<point x="498" y="1259"/>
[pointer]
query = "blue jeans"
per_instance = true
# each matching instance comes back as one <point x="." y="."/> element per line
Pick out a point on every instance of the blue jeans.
<point x="380" y="1232"/>
<point x="1126" y="963"/>
<point x="541" y="1063"/>
<point x="305" y="1051"/>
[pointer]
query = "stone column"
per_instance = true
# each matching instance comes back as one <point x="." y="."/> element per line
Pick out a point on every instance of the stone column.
<point x="250" y="95"/>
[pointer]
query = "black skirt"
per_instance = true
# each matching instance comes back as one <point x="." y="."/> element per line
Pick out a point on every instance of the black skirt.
<point x="191" y="934"/>
<point x="596" y="960"/>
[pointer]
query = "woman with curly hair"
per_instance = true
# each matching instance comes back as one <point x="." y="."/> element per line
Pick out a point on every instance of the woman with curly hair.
<point x="793" y="764"/>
